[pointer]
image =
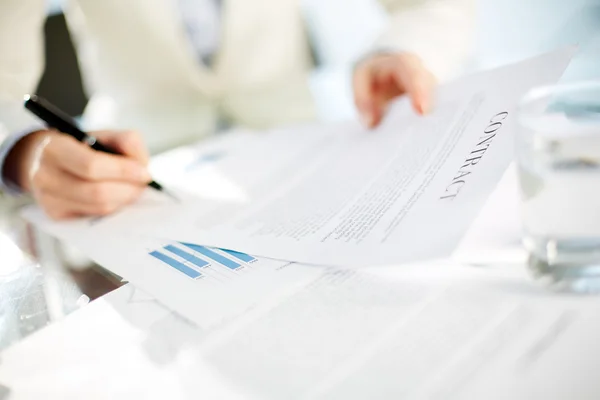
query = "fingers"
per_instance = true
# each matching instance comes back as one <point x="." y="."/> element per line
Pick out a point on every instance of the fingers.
<point x="364" y="94"/>
<point x="78" y="159"/>
<point x="59" y="207"/>
<point x="128" y="143"/>
<point x="69" y="179"/>
<point x="374" y="87"/>
<point x="382" y="78"/>
<point x="64" y="196"/>
<point x="94" y="197"/>
<point x="385" y="91"/>
<point x="417" y="82"/>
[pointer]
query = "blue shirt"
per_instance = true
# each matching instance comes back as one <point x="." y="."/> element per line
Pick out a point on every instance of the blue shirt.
<point x="202" y="21"/>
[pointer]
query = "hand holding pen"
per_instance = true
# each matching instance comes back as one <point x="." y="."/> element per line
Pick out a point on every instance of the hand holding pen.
<point x="68" y="178"/>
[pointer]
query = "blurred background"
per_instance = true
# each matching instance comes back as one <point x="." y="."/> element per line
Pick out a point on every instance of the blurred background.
<point x="36" y="289"/>
<point x="508" y="31"/>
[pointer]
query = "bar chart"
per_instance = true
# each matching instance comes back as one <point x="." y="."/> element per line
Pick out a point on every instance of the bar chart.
<point x="200" y="262"/>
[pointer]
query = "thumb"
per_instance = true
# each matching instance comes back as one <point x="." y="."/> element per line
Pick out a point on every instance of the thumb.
<point x="127" y="143"/>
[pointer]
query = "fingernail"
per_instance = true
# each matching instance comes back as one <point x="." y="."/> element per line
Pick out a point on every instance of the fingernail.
<point x="144" y="174"/>
<point x="367" y="120"/>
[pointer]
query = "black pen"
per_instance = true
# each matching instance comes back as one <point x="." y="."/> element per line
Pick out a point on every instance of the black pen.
<point x="59" y="120"/>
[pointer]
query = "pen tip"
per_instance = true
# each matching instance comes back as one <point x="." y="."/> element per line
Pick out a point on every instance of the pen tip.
<point x="26" y="97"/>
<point x="171" y="195"/>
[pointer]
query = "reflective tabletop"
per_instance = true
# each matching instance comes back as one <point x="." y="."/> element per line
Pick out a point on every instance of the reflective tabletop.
<point x="41" y="280"/>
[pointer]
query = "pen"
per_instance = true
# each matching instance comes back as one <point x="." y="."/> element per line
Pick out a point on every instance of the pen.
<point x="59" y="120"/>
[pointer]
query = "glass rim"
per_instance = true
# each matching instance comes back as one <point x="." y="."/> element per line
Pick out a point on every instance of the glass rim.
<point x="539" y="92"/>
<point x="554" y="122"/>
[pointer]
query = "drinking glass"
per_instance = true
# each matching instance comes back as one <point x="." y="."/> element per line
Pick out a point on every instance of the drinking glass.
<point x="558" y="155"/>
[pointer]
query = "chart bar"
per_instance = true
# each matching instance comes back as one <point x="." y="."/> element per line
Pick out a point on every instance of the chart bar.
<point x="240" y="256"/>
<point x="192" y="273"/>
<point x="187" y="256"/>
<point x="214" y="256"/>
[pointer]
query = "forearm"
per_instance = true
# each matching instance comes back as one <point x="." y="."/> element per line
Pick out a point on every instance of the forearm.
<point x="21" y="60"/>
<point x="21" y="65"/>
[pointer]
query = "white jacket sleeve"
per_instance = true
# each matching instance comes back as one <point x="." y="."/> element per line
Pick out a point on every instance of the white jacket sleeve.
<point x="21" y="59"/>
<point x="440" y="32"/>
<point x="21" y="65"/>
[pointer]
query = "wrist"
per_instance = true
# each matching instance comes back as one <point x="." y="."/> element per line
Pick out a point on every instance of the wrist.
<point x="20" y="158"/>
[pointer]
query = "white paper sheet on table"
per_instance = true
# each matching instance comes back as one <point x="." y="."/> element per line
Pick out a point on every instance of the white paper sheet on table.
<point x="341" y="196"/>
<point x="346" y="335"/>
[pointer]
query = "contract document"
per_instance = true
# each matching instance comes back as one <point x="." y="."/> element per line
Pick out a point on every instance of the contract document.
<point x="339" y="195"/>
<point x="343" y="196"/>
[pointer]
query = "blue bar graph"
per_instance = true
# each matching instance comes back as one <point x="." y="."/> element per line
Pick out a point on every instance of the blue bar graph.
<point x="192" y="273"/>
<point x="187" y="256"/>
<point x="204" y="159"/>
<point x="214" y="256"/>
<point x="240" y="256"/>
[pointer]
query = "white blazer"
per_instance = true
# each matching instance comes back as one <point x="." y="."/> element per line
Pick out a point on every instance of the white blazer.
<point x="141" y="71"/>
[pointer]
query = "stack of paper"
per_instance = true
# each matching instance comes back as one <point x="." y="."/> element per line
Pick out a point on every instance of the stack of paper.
<point x="258" y="252"/>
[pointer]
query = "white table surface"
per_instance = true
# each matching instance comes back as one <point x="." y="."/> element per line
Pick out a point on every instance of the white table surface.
<point x="127" y="345"/>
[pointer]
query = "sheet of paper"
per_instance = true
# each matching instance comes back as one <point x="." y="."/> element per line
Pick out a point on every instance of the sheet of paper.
<point x="206" y="285"/>
<point x="352" y="336"/>
<point x="341" y="196"/>
<point x="346" y="335"/>
<point x="495" y="238"/>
